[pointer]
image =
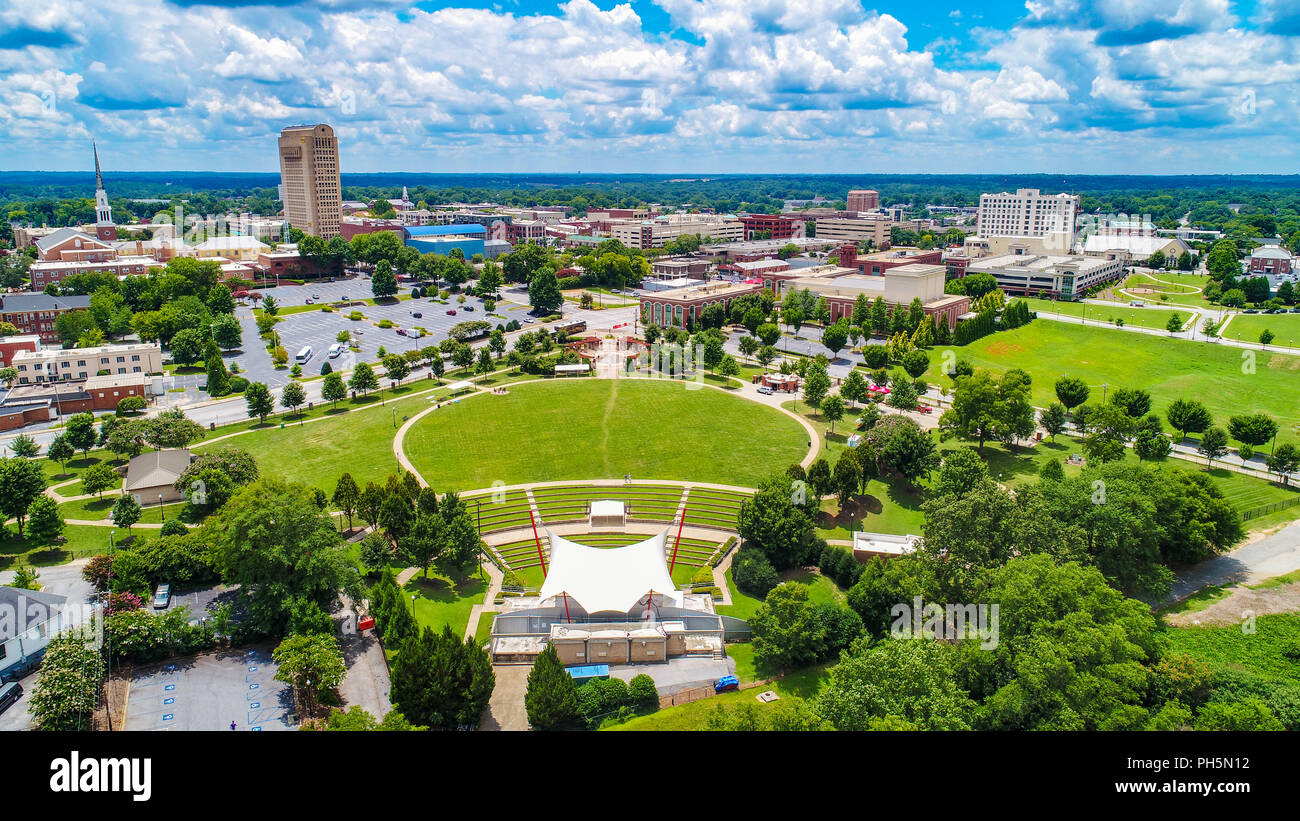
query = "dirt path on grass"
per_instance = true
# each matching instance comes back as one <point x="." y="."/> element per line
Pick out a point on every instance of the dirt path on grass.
<point x="1242" y="603"/>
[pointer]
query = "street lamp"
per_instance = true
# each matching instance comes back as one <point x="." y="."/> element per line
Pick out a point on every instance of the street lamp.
<point x="1103" y="393"/>
<point x="161" y="512"/>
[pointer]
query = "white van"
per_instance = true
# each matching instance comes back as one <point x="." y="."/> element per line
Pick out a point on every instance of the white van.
<point x="336" y="351"/>
<point x="303" y="356"/>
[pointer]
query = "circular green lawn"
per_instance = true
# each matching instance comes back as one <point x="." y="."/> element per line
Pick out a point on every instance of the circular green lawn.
<point x="603" y="429"/>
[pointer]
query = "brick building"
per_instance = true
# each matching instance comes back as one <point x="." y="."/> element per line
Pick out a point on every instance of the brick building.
<point x="36" y="313"/>
<point x="773" y="226"/>
<point x="682" y="307"/>
<point x="29" y="404"/>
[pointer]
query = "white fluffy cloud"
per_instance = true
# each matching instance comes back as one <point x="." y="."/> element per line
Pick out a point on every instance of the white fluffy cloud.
<point x="783" y="85"/>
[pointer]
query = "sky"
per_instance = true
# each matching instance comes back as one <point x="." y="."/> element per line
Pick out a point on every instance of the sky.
<point x="657" y="86"/>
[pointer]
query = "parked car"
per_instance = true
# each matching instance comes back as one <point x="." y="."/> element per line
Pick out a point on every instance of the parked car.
<point x="9" y="695"/>
<point x="401" y="332"/>
<point x="308" y="300"/>
<point x="162" y="596"/>
<point x="417" y="315"/>
<point x="451" y="312"/>
<point x="924" y="408"/>
<point x="726" y="683"/>
<point x="766" y="390"/>
<point x="315" y="296"/>
<point x="469" y="307"/>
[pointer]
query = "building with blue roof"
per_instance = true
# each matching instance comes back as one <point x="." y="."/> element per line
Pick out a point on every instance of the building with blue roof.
<point x="442" y="239"/>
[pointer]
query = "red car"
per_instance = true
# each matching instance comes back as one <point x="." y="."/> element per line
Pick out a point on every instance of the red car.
<point x="451" y="312"/>
<point x="924" y="408"/>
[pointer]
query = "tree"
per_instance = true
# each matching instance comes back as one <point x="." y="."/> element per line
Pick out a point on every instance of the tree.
<point x="68" y="688"/>
<point x="832" y="410"/>
<point x="544" y="293"/>
<point x="916" y="363"/>
<point x="1214" y="444"/>
<point x="1053" y="419"/>
<point x="21" y="482"/>
<point x="552" y="695"/>
<point x="912" y="680"/>
<point x="1071" y="391"/>
<point x="275" y="543"/>
<point x="1135" y="402"/>
<point x="44" y="522"/>
<point x="383" y="282"/>
<point x="854" y="387"/>
<point x="227" y="331"/>
<point x="777" y="521"/>
<point x="986" y="408"/>
<point x="312" y="664"/>
<point x="846" y="477"/>
<point x="1108" y="430"/>
<point x="126" y="511"/>
<point x="24" y="446"/>
<point x="80" y="430"/>
<point x="748" y="346"/>
<point x="1150" y="442"/>
<point x="815" y="386"/>
<point x="172" y="429"/>
<point x="60" y="450"/>
<point x="1253" y="429"/>
<point x="834" y="336"/>
<point x="346" y="495"/>
<point x="819" y="477"/>
<point x="363" y="379"/>
<point x="99" y="478"/>
<point x="187" y="346"/>
<point x="218" y="376"/>
<point x="439" y="681"/>
<point x="1188" y="416"/>
<point x="962" y="471"/>
<point x="1284" y="460"/>
<point x="768" y="333"/>
<point x="1265" y="337"/>
<point x="483" y="366"/>
<point x="909" y="451"/>
<point x="1175" y="323"/>
<point x="257" y="398"/>
<point x="396" y="368"/>
<point x="292" y="397"/>
<point x="787" y="632"/>
<point x="333" y="389"/>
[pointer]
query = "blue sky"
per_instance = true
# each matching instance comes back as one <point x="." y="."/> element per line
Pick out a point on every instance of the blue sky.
<point x="675" y="86"/>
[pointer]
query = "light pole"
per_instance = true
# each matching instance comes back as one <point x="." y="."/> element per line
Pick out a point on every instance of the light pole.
<point x="1103" y="393"/>
<point x="161" y="512"/>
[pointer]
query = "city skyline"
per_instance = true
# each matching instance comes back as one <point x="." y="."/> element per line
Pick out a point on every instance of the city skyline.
<point x="716" y="86"/>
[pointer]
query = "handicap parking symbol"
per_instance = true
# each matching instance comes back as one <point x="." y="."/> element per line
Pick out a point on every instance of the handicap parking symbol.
<point x="169" y="701"/>
<point x="167" y="717"/>
<point x="254" y="686"/>
<point x="252" y="669"/>
<point x="254" y="705"/>
<point x="169" y="687"/>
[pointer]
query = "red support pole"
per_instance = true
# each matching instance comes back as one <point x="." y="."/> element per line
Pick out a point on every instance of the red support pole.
<point x="567" y="620"/>
<point x="677" y="543"/>
<point x="537" y="539"/>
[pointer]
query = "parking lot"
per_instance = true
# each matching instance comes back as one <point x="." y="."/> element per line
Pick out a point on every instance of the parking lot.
<point x="320" y="329"/>
<point x="208" y="692"/>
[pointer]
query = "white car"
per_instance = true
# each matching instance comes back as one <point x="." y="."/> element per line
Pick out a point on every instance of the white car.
<point x="766" y="390"/>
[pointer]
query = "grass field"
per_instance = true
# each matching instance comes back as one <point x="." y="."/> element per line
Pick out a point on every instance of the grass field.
<point x="1168" y="368"/>
<point x="78" y="541"/>
<point x="1149" y="317"/>
<point x="1179" y="289"/>
<point x="585" y="429"/>
<point x="439" y="603"/>
<point x="1248" y="327"/>
<point x="1262" y="653"/>
<point x="360" y="443"/>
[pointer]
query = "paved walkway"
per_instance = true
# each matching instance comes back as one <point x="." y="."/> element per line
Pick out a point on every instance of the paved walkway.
<point x="506" y="710"/>
<point x="1274" y="555"/>
<point x="494" y="587"/>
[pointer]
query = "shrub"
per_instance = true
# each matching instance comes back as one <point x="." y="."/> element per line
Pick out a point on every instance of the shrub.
<point x="238" y="384"/>
<point x="753" y="572"/>
<point x="174" y="527"/>
<point x="641" y="690"/>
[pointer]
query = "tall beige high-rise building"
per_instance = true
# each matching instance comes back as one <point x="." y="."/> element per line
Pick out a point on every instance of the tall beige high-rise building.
<point x="863" y="199"/>
<point x="309" y="179"/>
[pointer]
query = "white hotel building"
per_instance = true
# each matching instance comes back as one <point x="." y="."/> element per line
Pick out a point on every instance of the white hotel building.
<point x="1026" y="221"/>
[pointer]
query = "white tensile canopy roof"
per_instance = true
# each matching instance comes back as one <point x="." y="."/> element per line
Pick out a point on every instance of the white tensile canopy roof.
<point x="607" y="579"/>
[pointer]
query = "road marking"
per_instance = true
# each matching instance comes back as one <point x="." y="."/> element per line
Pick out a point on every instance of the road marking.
<point x="254" y="705"/>
<point x="168" y="717"/>
<point x="169" y="686"/>
<point x="254" y="686"/>
<point x="169" y="701"/>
